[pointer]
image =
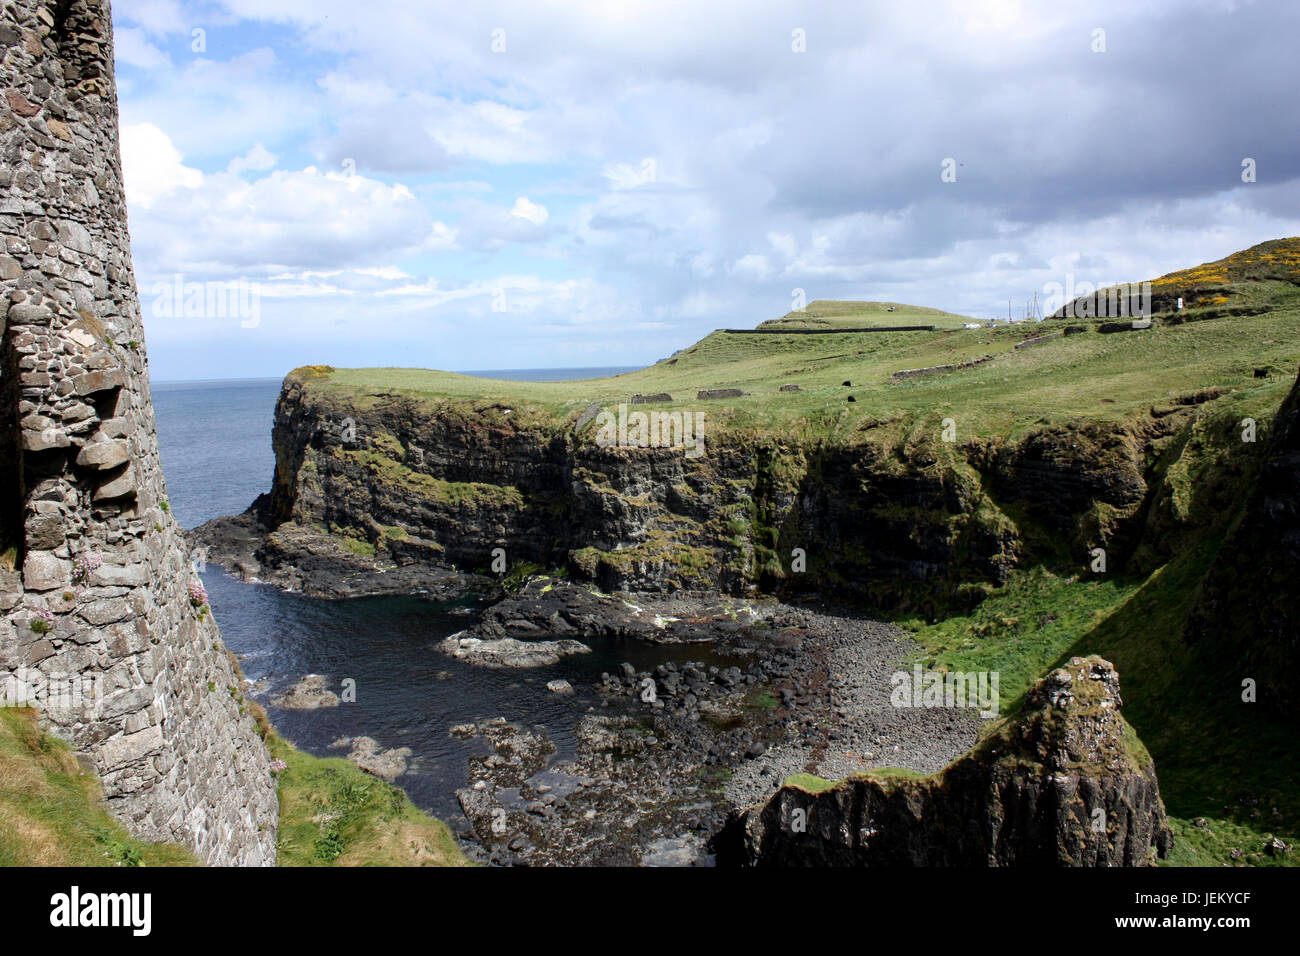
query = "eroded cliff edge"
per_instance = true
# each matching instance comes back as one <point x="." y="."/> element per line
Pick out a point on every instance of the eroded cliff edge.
<point x="98" y="627"/>
<point x="890" y="515"/>
<point x="1063" y="783"/>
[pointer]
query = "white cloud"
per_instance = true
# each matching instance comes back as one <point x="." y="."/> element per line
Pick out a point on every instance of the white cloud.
<point x="629" y="176"/>
<point x="754" y="265"/>
<point x="441" y="238"/>
<point x="185" y="222"/>
<point x="151" y="165"/>
<point x="132" y="47"/>
<point x="258" y="158"/>
<point x="528" y="210"/>
<point x="157" y="18"/>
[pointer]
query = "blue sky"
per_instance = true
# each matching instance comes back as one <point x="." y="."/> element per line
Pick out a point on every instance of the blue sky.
<point x="592" y="183"/>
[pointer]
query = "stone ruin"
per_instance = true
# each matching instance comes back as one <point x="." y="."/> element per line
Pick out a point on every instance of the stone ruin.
<point x="104" y="627"/>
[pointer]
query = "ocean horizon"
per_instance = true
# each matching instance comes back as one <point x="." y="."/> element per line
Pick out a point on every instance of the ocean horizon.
<point x="574" y="374"/>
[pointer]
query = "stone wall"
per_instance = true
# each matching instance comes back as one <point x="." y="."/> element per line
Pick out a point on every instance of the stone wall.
<point x="97" y="624"/>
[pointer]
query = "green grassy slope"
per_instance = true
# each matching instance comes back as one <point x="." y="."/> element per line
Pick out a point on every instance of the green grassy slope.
<point x="1090" y="375"/>
<point x="52" y="811"/>
<point x="1219" y="760"/>
<point x="331" y="813"/>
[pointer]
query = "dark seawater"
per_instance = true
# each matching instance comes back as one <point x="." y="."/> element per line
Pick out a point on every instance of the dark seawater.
<point x="215" y="440"/>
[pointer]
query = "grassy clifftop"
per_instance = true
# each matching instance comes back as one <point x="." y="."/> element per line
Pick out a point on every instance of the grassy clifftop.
<point x="1086" y="374"/>
<point x="832" y="314"/>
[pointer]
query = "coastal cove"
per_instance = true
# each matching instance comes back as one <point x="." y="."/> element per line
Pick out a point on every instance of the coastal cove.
<point x="418" y="703"/>
<point x="215" y="445"/>
<point x="1063" y="525"/>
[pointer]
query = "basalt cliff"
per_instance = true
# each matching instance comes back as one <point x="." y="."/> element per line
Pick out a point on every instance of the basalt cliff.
<point x="891" y="515"/>
<point x="100" y="631"/>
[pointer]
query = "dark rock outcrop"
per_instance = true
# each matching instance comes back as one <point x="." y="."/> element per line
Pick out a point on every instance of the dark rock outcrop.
<point x="1064" y="783"/>
<point x="1247" y="609"/>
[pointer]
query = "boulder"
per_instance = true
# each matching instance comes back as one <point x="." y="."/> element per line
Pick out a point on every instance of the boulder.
<point x="367" y="754"/>
<point x="508" y="652"/>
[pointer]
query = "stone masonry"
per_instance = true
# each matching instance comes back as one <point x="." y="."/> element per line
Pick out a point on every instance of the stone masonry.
<point x="99" y="627"/>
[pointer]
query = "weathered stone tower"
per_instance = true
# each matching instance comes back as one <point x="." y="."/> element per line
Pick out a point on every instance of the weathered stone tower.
<point x="97" y="626"/>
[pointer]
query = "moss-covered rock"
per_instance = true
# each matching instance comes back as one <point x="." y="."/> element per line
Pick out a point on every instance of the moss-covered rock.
<point x="1065" y="782"/>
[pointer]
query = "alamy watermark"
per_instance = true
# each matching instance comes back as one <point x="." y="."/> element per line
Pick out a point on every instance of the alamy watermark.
<point x="655" y="429"/>
<point x="922" y="688"/>
<point x="1105" y="300"/>
<point x="236" y="299"/>
<point x="53" y="693"/>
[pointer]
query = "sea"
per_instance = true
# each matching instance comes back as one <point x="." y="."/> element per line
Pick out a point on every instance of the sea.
<point x="215" y="442"/>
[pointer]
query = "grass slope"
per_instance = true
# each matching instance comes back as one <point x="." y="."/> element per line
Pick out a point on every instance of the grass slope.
<point x="52" y="811"/>
<point x="333" y="814"/>
<point x="1109" y="377"/>
<point x="1219" y="760"/>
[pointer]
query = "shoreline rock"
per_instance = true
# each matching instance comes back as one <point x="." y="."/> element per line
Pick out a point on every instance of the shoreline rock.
<point x="295" y="558"/>
<point x="369" y="756"/>
<point x="508" y="652"/>
<point x="649" y="783"/>
<point x="309" y="693"/>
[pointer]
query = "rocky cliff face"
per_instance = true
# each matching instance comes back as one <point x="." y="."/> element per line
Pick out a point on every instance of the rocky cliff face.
<point x="907" y="520"/>
<point x="1064" y="783"/>
<point x="1247" y="609"/>
<point x="98" y="626"/>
